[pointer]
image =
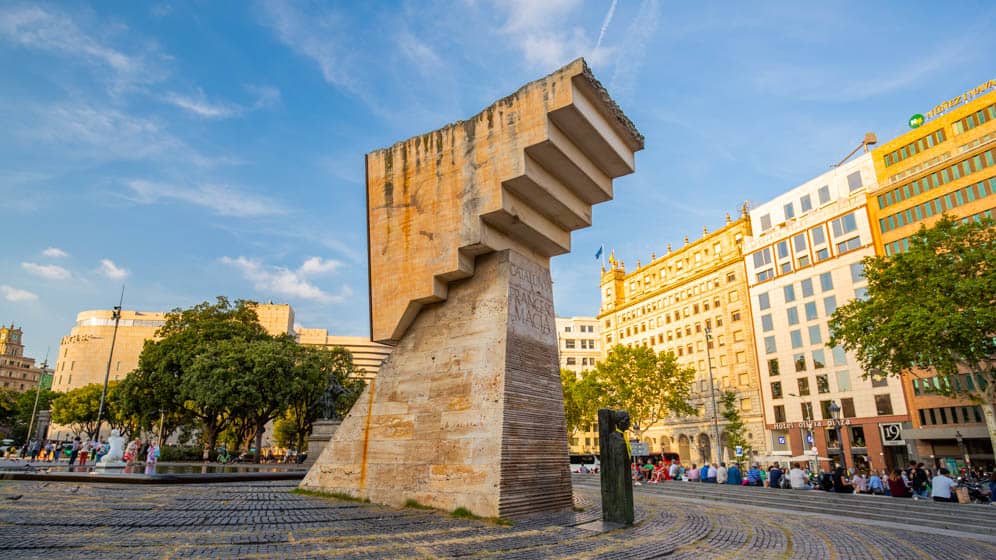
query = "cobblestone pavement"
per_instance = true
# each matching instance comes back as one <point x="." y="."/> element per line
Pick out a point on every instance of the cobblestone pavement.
<point x="265" y="520"/>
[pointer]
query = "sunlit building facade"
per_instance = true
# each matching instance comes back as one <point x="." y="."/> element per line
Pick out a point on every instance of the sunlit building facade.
<point x="669" y="304"/>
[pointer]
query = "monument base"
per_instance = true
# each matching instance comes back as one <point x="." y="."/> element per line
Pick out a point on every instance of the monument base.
<point x="321" y="434"/>
<point x="110" y="466"/>
<point x="468" y="410"/>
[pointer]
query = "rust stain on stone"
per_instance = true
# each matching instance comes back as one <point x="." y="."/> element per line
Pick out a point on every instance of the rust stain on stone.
<point x="366" y="436"/>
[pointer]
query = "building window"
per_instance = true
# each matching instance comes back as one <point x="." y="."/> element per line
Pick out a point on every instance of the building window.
<point x="839" y="356"/>
<point x="811" y="314"/>
<point x="822" y="384"/>
<point x="857" y="272"/>
<point x="763" y="301"/>
<point x="776" y="389"/>
<point x="829" y="305"/>
<point x="823" y="194"/>
<point x="773" y="369"/>
<point x="796" y="337"/>
<point x="849" y="245"/>
<point x="805" y="203"/>
<point x="567" y="329"/>
<point x="854" y="181"/>
<point x="793" y="315"/>
<point x="569" y="343"/>
<point x="825" y="413"/>
<point x="807" y="287"/>
<point x="782" y="249"/>
<point x="807" y="411"/>
<point x="789" y="292"/>
<point x="803" y="386"/>
<point x="844" y="225"/>
<point x="746" y="405"/>
<point x="799" y="243"/>
<point x="847" y="408"/>
<point x="826" y="281"/>
<point x="879" y="380"/>
<point x="815" y="337"/>
<point x="789" y="211"/>
<point x="765" y="222"/>
<point x="883" y="405"/>
<point x="767" y="324"/>
<point x="730" y="277"/>
<point x="769" y="345"/>
<point x="843" y="381"/>
<point x="800" y="362"/>
<point x="779" y="413"/>
<point x="819" y="359"/>
<point x="762" y="258"/>
<point x="571" y="361"/>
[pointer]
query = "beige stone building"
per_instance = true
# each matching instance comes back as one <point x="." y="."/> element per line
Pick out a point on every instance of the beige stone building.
<point x="367" y="355"/>
<point x="17" y="371"/>
<point x="668" y="305"/>
<point x="580" y="342"/>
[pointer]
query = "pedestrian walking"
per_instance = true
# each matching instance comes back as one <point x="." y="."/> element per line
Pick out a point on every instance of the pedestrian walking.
<point x="74" y="453"/>
<point x="918" y="482"/>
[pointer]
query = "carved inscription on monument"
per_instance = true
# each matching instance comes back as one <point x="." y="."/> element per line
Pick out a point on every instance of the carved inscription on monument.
<point x="528" y="303"/>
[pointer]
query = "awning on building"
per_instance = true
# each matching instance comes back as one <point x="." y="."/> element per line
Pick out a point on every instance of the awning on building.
<point x="967" y="432"/>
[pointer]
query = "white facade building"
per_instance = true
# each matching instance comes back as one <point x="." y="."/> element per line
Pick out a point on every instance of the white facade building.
<point x="803" y="261"/>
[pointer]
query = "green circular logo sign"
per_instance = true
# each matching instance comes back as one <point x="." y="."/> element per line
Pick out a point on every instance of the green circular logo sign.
<point x="916" y="120"/>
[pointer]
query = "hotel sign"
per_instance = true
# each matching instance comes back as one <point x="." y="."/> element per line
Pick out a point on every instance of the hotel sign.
<point x="811" y="425"/>
<point x="917" y="120"/>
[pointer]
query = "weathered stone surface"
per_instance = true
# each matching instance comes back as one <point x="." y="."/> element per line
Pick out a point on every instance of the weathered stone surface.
<point x="468" y="410"/>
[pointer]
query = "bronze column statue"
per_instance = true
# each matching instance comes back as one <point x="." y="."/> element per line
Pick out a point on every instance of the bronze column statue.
<point x="616" y="476"/>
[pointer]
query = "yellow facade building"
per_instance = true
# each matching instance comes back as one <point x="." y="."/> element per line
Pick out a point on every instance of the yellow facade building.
<point x="367" y="354"/>
<point x="945" y="165"/>
<point x="667" y="305"/>
<point x="17" y="371"/>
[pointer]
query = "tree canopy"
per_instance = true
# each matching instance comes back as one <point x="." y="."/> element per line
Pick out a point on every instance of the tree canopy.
<point x="78" y="408"/>
<point x="650" y="386"/>
<point x="932" y="307"/>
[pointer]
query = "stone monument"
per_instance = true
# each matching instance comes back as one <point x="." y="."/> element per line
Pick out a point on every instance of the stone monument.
<point x="325" y="427"/>
<point x="615" y="458"/>
<point x="462" y="221"/>
<point x="114" y="459"/>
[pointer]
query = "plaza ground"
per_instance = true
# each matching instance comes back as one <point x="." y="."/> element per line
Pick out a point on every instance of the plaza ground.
<point x="266" y="520"/>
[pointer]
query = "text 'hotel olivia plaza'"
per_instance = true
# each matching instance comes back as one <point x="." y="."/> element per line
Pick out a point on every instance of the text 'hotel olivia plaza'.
<point x="765" y="285"/>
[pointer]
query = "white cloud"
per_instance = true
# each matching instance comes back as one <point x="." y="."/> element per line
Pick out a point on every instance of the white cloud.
<point x="111" y="270"/>
<point x="222" y="199"/>
<point x="55" y="253"/>
<point x="312" y="35"/>
<point x="266" y="96"/>
<point x="200" y="106"/>
<point x="290" y="283"/>
<point x="537" y="29"/>
<point x="633" y="50"/>
<point x="13" y="294"/>
<point x="418" y="52"/>
<point x="49" y="271"/>
<point x="48" y="30"/>
<point x="316" y="265"/>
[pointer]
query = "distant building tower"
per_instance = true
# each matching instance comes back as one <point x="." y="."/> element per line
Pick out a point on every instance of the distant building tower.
<point x="17" y="372"/>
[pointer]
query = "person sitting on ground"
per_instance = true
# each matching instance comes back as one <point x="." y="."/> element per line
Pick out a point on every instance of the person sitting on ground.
<point x="648" y="470"/>
<point x="712" y="473"/>
<point x="775" y="477"/>
<point x="721" y="474"/>
<point x="704" y="473"/>
<point x="754" y="477"/>
<point x="693" y="473"/>
<point x="733" y="475"/>
<point x="841" y="484"/>
<point x="940" y="487"/>
<point x="659" y="472"/>
<point x="672" y="471"/>
<point x="798" y="479"/>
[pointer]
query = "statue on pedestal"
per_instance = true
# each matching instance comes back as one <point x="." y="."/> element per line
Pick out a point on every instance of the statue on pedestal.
<point x="115" y="455"/>
<point x="616" y="475"/>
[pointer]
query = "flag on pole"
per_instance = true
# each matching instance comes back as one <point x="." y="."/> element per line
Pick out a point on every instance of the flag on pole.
<point x="598" y="254"/>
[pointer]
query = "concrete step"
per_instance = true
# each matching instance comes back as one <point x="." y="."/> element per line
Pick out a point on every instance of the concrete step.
<point x="978" y="519"/>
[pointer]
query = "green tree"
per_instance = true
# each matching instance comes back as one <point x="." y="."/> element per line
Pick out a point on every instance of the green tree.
<point x="78" y="409"/>
<point x="317" y="368"/>
<point x="650" y="386"/>
<point x="579" y="391"/>
<point x="8" y="410"/>
<point x="735" y="433"/>
<point x="931" y="307"/>
<point x="162" y="384"/>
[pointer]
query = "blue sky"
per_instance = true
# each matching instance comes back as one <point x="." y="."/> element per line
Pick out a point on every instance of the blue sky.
<point x="191" y="149"/>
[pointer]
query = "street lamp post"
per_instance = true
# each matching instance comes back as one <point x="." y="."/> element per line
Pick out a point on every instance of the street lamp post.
<point x="834" y="409"/>
<point x="712" y="389"/>
<point x="116" y="315"/>
<point x="34" y="410"/>
<point x="964" y="450"/>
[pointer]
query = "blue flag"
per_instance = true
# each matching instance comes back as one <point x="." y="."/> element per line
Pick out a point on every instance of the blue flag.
<point x="598" y="255"/>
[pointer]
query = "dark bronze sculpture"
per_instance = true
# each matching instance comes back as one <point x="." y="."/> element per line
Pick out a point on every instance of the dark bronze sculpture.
<point x="333" y="391"/>
<point x="616" y="478"/>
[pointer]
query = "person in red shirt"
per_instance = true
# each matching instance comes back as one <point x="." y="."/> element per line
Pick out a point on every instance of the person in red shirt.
<point x="897" y="488"/>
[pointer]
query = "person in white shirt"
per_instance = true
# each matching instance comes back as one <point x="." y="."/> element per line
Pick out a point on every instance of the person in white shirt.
<point x="672" y="471"/>
<point x="798" y="478"/>
<point x="721" y="474"/>
<point x="940" y="487"/>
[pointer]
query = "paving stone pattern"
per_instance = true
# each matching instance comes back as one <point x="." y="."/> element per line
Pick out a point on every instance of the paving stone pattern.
<point x="265" y="520"/>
